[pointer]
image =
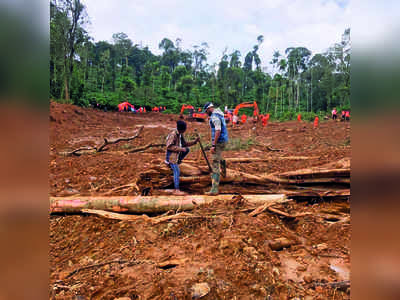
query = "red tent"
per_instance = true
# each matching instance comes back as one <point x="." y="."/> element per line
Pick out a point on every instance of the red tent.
<point x="124" y="105"/>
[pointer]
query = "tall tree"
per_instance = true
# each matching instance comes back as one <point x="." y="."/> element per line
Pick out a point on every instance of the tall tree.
<point x="74" y="32"/>
<point x="123" y="45"/>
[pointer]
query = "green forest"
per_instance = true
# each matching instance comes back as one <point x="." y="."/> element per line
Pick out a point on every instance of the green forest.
<point x="84" y="72"/>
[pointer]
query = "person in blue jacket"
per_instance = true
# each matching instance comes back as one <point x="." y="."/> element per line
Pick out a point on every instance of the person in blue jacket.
<point x="219" y="139"/>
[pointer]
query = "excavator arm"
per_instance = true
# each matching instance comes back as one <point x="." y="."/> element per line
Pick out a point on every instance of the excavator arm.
<point x="185" y="106"/>
<point x="246" y="104"/>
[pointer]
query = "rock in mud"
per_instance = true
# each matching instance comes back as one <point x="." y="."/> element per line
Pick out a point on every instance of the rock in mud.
<point x="200" y="290"/>
<point x="280" y="243"/>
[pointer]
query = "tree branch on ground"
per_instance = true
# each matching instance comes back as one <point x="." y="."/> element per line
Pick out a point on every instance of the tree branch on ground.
<point x="151" y="145"/>
<point x="103" y="148"/>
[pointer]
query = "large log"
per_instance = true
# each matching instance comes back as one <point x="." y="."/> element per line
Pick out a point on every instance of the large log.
<point x="258" y="159"/>
<point x="333" y="179"/>
<point x="147" y="204"/>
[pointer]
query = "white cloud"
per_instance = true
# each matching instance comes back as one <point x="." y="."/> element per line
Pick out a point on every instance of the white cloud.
<point x="315" y="24"/>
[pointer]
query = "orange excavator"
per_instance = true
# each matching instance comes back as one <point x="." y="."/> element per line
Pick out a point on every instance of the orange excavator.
<point x="247" y="104"/>
<point x="193" y="115"/>
<point x="189" y="107"/>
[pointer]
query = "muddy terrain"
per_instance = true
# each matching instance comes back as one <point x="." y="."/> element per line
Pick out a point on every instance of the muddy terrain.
<point x="224" y="252"/>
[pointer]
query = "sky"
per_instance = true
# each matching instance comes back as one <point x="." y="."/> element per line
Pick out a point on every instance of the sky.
<point x="235" y="24"/>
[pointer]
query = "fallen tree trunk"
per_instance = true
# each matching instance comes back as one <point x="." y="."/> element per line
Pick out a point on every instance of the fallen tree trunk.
<point x="315" y="182"/>
<point x="316" y="193"/>
<point x="147" y="204"/>
<point x="306" y="178"/>
<point x="256" y="159"/>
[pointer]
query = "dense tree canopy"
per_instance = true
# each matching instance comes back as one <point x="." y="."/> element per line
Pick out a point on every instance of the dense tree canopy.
<point x="85" y="73"/>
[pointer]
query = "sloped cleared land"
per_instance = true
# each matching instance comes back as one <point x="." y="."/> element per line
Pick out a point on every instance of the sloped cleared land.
<point x="217" y="251"/>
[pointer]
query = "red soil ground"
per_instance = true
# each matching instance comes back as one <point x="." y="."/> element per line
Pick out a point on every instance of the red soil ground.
<point x="229" y="252"/>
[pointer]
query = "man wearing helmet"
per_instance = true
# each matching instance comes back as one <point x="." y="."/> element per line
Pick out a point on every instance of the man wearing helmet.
<point x="219" y="139"/>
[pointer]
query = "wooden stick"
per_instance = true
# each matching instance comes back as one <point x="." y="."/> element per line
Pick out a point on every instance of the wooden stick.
<point x="264" y="207"/>
<point x="113" y="216"/>
<point x="286" y="215"/>
<point x="76" y="151"/>
<point x="204" y="153"/>
<point x="145" y="147"/>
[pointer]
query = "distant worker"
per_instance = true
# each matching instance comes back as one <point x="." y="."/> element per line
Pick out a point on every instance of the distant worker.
<point x="299" y="117"/>
<point x="347" y="115"/>
<point x="343" y="115"/>
<point x="144" y="109"/>
<point x="244" y="118"/>
<point x="334" y="114"/>
<point x="177" y="149"/>
<point x="316" y="120"/>
<point x="235" y="120"/>
<point x="255" y="117"/>
<point x="219" y="139"/>
<point x="264" y="120"/>
<point x="230" y="116"/>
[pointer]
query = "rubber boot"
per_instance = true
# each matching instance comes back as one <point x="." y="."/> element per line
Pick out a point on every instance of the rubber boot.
<point x="214" y="186"/>
<point x="223" y="168"/>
